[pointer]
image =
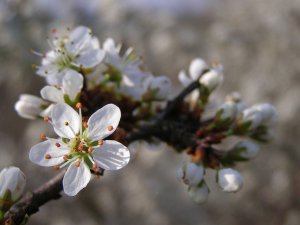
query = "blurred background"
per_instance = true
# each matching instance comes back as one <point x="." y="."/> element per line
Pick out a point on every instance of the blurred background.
<point x="257" y="41"/>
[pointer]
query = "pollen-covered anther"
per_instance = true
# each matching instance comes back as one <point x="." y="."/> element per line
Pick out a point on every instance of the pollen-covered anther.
<point x="43" y="137"/>
<point x="95" y="166"/>
<point x="46" y="119"/>
<point x="80" y="147"/>
<point x="56" y="168"/>
<point x="47" y="156"/>
<point x="66" y="157"/>
<point x="90" y="150"/>
<point x="57" y="145"/>
<point x="66" y="123"/>
<point x="33" y="66"/>
<point x="78" y="105"/>
<point x="110" y="128"/>
<point x="77" y="163"/>
<point x="85" y="125"/>
<point x="100" y="142"/>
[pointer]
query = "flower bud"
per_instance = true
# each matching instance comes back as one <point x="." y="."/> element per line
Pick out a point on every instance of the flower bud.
<point x="191" y="174"/>
<point x="246" y="149"/>
<point x="229" y="180"/>
<point x="12" y="184"/>
<point x="228" y="111"/>
<point x="253" y="116"/>
<point x="268" y="113"/>
<point x="236" y="98"/>
<point x="212" y="79"/>
<point x="29" y="106"/>
<point x="197" y="67"/>
<point x="199" y="194"/>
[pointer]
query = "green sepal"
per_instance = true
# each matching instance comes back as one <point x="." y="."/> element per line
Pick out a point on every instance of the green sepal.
<point x="6" y="201"/>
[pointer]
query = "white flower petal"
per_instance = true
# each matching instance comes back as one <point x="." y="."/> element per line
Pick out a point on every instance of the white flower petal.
<point x="103" y="122"/>
<point x="112" y="155"/>
<point x="197" y="67"/>
<point x="184" y="79"/>
<point x="162" y="84"/>
<point x="79" y="38"/>
<point x="38" y="152"/>
<point x="72" y="84"/>
<point x="47" y="70"/>
<point x="76" y="178"/>
<point x="52" y="94"/>
<point x="63" y="114"/>
<point x="91" y="58"/>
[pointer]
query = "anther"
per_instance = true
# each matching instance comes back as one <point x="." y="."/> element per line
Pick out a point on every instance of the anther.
<point x="47" y="156"/>
<point x="56" y="168"/>
<point x="78" y="105"/>
<point x="110" y="128"/>
<point x="46" y="119"/>
<point x="90" y="150"/>
<point x="77" y="163"/>
<point x="66" y="157"/>
<point x="54" y="30"/>
<point x="33" y="66"/>
<point x="57" y="145"/>
<point x="66" y="123"/>
<point x="85" y="125"/>
<point x="95" y="166"/>
<point x="80" y="147"/>
<point x="100" y="142"/>
<point x="43" y="137"/>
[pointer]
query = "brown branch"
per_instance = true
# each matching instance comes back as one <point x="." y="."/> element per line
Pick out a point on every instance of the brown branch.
<point x="160" y="128"/>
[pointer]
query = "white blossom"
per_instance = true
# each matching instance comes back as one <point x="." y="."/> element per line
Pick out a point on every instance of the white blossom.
<point x="212" y="79"/>
<point x="81" y="146"/>
<point x="228" y="111"/>
<point x="76" y="50"/>
<point x="229" y="180"/>
<point x="157" y="88"/>
<point x="68" y="92"/>
<point x="30" y="106"/>
<point x="199" y="194"/>
<point x="12" y="180"/>
<point x="246" y="149"/>
<point x="190" y="173"/>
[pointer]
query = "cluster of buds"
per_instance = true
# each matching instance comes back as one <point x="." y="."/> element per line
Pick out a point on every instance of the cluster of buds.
<point x="12" y="184"/>
<point x="231" y="119"/>
<point x="77" y="64"/>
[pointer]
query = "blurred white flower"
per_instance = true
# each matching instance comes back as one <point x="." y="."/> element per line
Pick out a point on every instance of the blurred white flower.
<point x="157" y="88"/>
<point x="229" y="180"/>
<point x="76" y="50"/>
<point x="81" y="146"/>
<point x="199" y="194"/>
<point x="246" y="149"/>
<point x="212" y="79"/>
<point x="30" y="106"/>
<point x="227" y="111"/>
<point x="12" y="184"/>
<point x="191" y="174"/>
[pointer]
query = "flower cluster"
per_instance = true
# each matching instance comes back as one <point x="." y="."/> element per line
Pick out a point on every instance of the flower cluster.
<point x="230" y="119"/>
<point x="88" y="84"/>
<point x="75" y="60"/>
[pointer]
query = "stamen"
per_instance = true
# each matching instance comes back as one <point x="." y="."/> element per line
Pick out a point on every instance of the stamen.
<point x="47" y="156"/>
<point x="100" y="142"/>
<point x="90" y="150"/>
<point x="95" y="166"/>
<point x="77" y="163"/>
<point x="57" y="145"/>
<point x="92" y="161"/>
<point x="66" y="123"/>
<point x="85" y="125"/>
<point x="66" y="157"/>
<point x="80" y="147"/>
<point x="78" y="105"/>
<point x="43" y="137"/>
<point x="37" y="53"/>
<point x="56" y="168"/>
<point x="33" y="66"/>
<point x="46" y="119"/>
<point x="110" y="128"/>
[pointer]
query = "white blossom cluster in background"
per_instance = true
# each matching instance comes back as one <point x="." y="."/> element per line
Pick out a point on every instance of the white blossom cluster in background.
<point x="235" y="119"/>
<point x="79" y="72"/>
